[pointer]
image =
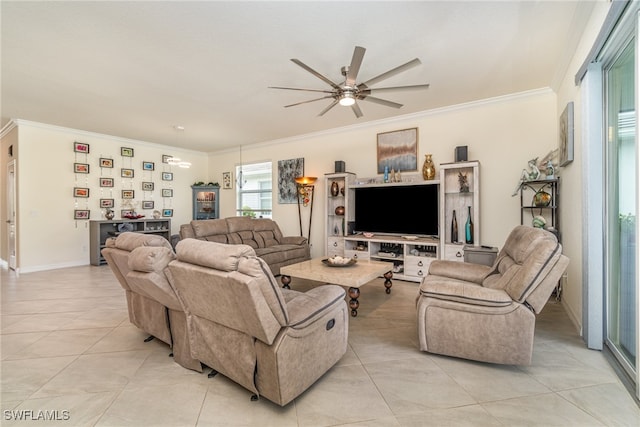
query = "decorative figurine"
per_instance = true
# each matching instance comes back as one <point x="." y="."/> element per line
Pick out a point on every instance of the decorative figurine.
<point x="464" y="182"/>
<point x="528" y="175"/>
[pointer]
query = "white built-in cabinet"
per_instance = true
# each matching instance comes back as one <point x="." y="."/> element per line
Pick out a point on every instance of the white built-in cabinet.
<point x="338" y="222"/>
<point x="465" y="201"/>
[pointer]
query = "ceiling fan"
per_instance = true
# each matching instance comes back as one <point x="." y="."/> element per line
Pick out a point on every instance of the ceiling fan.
<point x="349" y="91"/>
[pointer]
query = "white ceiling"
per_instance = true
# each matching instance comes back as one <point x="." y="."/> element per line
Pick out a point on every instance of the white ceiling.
<point x="137" y="69"/>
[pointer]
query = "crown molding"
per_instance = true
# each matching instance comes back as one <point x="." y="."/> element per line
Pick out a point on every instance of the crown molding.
<point x="82" y="133"/>
<point x="398" y="119"/>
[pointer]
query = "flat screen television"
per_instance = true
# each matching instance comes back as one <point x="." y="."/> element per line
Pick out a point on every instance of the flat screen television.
<point x="397" y="209"/>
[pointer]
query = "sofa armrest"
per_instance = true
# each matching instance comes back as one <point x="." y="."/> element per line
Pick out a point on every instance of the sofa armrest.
<point x="443" y="288"/>
<point x="307" y="307"/>
<point x="293" y="240"/>
<point x="464" y="271"/>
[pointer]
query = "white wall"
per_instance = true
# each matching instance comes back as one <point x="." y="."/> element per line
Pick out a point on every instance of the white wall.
<point x="503" y="134"/>
<point x="572" y="179"/>
<point x="49" y="236"/>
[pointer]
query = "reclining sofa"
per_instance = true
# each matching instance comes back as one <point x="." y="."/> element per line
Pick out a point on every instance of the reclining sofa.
<point x="274" y="342"/>
<point x="262" y="234"/>
<point x="138" y="261"/>
<point x="488" y="313"/>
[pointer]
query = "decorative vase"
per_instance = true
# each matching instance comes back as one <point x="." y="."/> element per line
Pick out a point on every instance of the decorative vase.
<point x="468" y="229"/>
<point x="541" y="199"/>
<point x="109" y="214"/>
<point x="428" y="168"/>
<point x="335" y="189"/>
<point x="340" y="210"/>
<point x="454" y="228"/>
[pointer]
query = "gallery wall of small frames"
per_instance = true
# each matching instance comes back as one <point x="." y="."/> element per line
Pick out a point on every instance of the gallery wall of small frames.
<point x="127" y="187"/>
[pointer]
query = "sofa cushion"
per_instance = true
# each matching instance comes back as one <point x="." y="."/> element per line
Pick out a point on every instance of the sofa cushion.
<point x="211" y="254"/>
<point x="129" y="240"/>
<point x="150" y="259"/>
<point x="209" y="227"/>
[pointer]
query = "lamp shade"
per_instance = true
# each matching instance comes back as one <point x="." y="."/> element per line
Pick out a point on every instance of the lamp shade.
<point x="306" y="180"/>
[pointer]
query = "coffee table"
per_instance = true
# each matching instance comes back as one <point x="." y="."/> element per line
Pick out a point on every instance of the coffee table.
<point x="353" y="276"/>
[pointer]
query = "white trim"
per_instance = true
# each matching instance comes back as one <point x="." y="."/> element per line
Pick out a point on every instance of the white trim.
<point x="592" y="211"/>
<point x="46" y="267"/>
<point x="126" y="141"/>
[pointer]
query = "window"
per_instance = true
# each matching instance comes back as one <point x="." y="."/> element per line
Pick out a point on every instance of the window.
<point x="254" y="190"/>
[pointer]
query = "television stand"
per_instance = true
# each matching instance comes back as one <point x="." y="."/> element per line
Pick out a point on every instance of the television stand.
<point x="409" y="256"/>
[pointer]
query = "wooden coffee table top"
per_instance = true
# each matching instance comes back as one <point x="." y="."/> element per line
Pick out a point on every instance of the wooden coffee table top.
<point x="353" y="276"/>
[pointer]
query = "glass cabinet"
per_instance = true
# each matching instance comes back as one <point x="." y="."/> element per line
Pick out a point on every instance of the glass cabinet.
<point x="205" y="201"/>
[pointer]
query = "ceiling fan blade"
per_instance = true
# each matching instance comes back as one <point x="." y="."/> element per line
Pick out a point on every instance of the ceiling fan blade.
<point x="315" y="73"/>
<point x="306" y="102"/>
<point x="356" y="110"/>
<point x="381" y="101"/>
<point x="333" y="104"/>
<point x="413" y="63"/>
<point x="356" y="62"/>
<point x="396" y="88"/>
<point x="295" y="88"/>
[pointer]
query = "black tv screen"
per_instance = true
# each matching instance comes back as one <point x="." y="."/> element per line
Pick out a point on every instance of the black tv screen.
<point x="397" y="209"/>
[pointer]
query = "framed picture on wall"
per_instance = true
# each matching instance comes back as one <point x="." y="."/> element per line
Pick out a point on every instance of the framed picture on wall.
<point x="165" y="158"/>
<point x="80" y="192"/>
<point x="80" y="147"/>
<point x="167" y="192"/>
<point x="288" y="171"/>
<point x="147" y="186"/>
<point x="167" y="212"/>
<point x="126" y="173"/>
<point x="81" y="167"/>
<point x="566" y="135"/>
<point x="128" y="194"/>
<point x="227" y="181"/>
<point x="147" y="204"/>
<point x="398" y="150"/>
<point x="106" y="182"/>
<point x="81" y="214"/>
<point x="126" y="152"/>
<point x="106" y="203"/>
<point x="148" y="166"/>
<point x="106" y="163"/>
<point x="167" y="176"/>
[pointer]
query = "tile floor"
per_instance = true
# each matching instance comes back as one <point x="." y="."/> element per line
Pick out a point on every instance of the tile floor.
<point x="67" y="346"/>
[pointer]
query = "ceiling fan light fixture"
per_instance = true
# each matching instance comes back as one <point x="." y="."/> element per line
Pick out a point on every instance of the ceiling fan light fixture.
<point x="347" y="99"/>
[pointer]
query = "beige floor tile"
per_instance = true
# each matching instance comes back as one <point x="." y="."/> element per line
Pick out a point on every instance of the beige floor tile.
<point x="40" y="322"/>
<point x="611" y="404"/>
<point x="99" y="319"/>
<point x="544" y="410"/>
<point x="71" y="411"/>
<point x="62" y="343"/>
<point x="464" y="416"/>
<point x="92" y="373"/>
<point x="345" y="394"/>
<point x="127" y="338"/>
<point x="157" y="406"/>
<point x="559" y="370"/>
<point x="228" y="404"/>
<point x="487" y="382"/>
<point x="22" y="378"/>
<point x="10" y="344"/>
<point x="415" y="385"/>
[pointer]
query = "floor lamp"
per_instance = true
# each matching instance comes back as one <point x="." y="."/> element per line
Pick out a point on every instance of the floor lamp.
<point x="305" y="192"/>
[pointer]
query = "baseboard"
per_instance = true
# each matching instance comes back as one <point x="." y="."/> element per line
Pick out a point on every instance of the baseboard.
<point x="37" y="268"/>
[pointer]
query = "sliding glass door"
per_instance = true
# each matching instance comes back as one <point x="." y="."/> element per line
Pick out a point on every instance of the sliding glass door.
<point x="621" y="279"/>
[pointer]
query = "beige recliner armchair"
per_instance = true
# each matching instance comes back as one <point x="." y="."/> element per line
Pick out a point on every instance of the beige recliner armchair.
<point x="151" y="302"/>
<point x="488" y="313"/>
<point x="272" y="341"/>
